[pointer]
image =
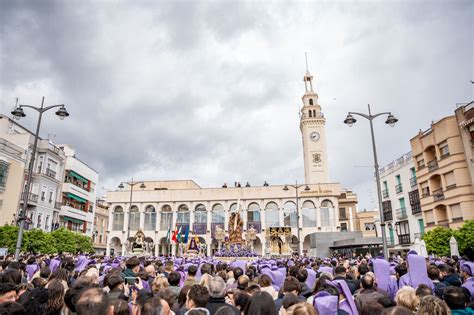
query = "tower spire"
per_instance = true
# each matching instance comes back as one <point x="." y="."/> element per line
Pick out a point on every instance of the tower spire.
<point x="306" y="59"/>
<point x="308" y="78"/>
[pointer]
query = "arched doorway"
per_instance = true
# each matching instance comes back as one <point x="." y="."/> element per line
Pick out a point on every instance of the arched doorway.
<point x="307" y="245"/>
<point x="257" y="246"/>
<point x="115" y="246"/>
<point x="294" y="244"/>
<point x="164" y="247"/>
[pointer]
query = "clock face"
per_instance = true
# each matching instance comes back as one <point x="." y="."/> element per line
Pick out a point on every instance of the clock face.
<point x="314" y="136"/>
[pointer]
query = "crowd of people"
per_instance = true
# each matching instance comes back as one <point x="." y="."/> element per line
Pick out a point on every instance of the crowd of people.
<point x="87" y="285"/>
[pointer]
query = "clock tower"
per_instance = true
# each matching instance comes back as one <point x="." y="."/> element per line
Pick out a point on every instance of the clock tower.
<point x="313" y="132"/>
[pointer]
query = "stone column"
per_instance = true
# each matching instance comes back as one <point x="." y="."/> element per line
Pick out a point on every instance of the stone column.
<point x="142" y="218"/>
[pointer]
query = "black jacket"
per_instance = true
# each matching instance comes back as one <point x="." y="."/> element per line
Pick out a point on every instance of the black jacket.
<point x="350" y="283"/>
<point x="213" y="304"/>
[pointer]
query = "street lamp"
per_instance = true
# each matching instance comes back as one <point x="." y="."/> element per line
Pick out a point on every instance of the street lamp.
<point x="131" y="184"/>
<point x="17" y="114"/>
<point x="296" y="187"/>
<point x="391" y="121"/>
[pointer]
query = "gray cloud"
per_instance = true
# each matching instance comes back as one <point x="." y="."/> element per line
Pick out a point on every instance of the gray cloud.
<point x="211" y="90"/>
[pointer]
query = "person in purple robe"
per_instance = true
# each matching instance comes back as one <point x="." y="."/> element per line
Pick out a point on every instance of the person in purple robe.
<point x="417" y="272"/>
<point x="467" y="270"/>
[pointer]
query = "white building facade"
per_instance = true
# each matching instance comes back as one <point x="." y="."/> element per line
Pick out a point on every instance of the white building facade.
<point x="78" y="195"/>
<point x="317" y="206"/>
<point x="401" y="204"/>
<point x="43" y="206"/>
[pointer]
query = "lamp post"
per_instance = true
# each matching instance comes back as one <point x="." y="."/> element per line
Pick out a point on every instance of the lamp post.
<point x="296" y="187"/>
<point x="391" y="120"/>
<point x="17" y="114"/>
<point x="131" y="184"/>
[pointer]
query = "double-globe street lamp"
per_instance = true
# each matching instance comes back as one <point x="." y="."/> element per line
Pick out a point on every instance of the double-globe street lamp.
<point x="296" y="187"/>
<point x="17" y="114"/>
<point x="391" y="120"/>
<point x="131" y="184"/>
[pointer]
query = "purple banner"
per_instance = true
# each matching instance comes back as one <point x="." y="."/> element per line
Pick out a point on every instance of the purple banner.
<point x="200" y="228"/>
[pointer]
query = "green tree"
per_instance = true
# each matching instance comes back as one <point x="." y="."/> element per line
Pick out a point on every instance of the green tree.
<point x="437" y="241"/>
<point x="465" y="236"/>
<point x="38" y="241"/>
<point x="8" y="237"/>
<point x="64" y="240"/>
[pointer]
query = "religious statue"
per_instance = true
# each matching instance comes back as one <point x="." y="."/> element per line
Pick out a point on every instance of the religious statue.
<point x="138" y="245"/>
<point x="193" y="244"/>
<point x="235" y="228"/>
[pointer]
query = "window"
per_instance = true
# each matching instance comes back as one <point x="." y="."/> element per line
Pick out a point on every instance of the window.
<point x="425" y="189"/>
<point x="415" y="201"/>
<point x="310" y="113"/>
<point x="118" y="217"/>
<point x="456" y="211"/>
<point x="46" y="223"/>
<point x="253" y="213"/>
<point x="343" y="227"/>
<point x="443" y="149"/>
<point x="150" y="218"/>
<point x="342" y="214"/>
<point x="51" y="196"/>
<point x="309" y="214"/>
<point x="134" y="218"/>
<point x="38" y="222"/>
<point x="218" y="214"/>
<point x="450" y="180"/>
<point x="327" y="213"/>
<point x="166" y="221"/>
<point x="4" y="167"/>
<point x="289" y="214"/>
<point x="183" y="215"/>
<point x="271" y="215"/>
<point x="43" y="193"/>
<point x="420" y="162"/>
<point x="369" y="226"/>
<point x="200" y="215"/>
<point x="398" y="187"/>
<point x="429" y="216"/>
<point x="311" y="101"/>
<point x="385" y="189"/>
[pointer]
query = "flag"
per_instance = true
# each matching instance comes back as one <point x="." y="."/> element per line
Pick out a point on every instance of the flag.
<point x="168" y="235"/>
<point x="186" y="235"/>
<point x="179" y="235"/>
<point x="175" y="233"/>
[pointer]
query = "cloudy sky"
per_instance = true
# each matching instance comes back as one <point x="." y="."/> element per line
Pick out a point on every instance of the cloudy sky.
<point x="210" y="90"/>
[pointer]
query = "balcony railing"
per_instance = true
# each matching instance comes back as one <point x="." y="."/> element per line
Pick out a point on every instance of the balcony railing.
<point x="387" y="216"/>
<point x="413" y="182"/>
<point x="385" y="193"/>
<point x="50" y="173"/>
<point x="416" y="208"/>
<point x="432" y="165"/>
<point x="401" y="213"/>
<point x="404" y="239"/>
<point x="32" y="198"/>
<point x="398" y="188"/>
<point x="444" y="223"/>
<point x="438" y="194"/>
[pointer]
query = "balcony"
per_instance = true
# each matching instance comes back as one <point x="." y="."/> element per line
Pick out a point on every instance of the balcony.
<point x="50" y="173"/>
<point x="416" y="208"/>
<point x="401" y="213"/>
<point x="413" y="182"/>
<point x="404" y="239"/>
<point x="432" y="165"/>
<point x="438" y="194"/>
<point x="32" y="199"/>
<point x="387" y="216"/>
<point x="385" y="193"/>
<point x="443" y="223"/>
<point x="398" y="188"/>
